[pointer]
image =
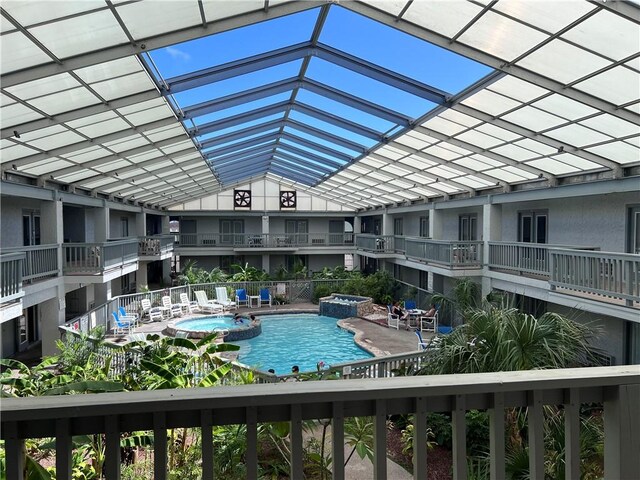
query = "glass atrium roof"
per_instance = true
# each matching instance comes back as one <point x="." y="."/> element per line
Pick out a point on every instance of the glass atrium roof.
<point x="362" y="103"/>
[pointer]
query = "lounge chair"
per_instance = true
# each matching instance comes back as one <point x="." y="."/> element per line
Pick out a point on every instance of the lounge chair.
<point x="422" y="345"/>
<point x="187" y="305"/>
<point x="265" y="296"/>
<point x="174" y="309"/>
<point x="128" y="317"/>
<point x="120" y="327"/>
<point x="241" y="297"/>
<point x="429" y="324"/>
<point x="393" y="320"/>
<point x="207" y="305"/>
<point x="156" y="314"/>
<point x="223" y="299"/>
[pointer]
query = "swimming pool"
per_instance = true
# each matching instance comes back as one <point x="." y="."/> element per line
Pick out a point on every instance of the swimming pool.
<point x="211" y="323"/>
<point x="299" y="339"/>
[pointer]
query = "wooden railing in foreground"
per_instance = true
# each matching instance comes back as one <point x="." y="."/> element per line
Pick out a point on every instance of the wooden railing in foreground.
<point x="112" y="414"/>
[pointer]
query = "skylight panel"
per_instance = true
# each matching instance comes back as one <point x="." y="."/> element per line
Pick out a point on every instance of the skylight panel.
<point x="76" y="35"/>
<point x="440" y="152"/>
<point x="397" y="170"/>
<point x="367" y="88"/>
<point x="19" y="52"/>
<point x="535" y="146"/>
<point x="50" y="166"/>
<point x="544" y="15"/>
<point x="476" y="164"/>
<point x="517" y="89"/>
<point x="58" y="140"/>
<point x="43" y="86"/>
<point x="65" y="101"/>
<point x="380" y="176"/>
<point x="390" y="152"/>
<point x="447" y="21"/>
<point x="515" y="152"/>
<point x="501" y="36"/>
<point x="562" y="62"/>
<point x="397" y="51"/>
<point x="479" y="139"/>
<point x="343" y="111"/>
<point x="610" y="125"/>
<point x="490" y="102"/>
<point x="553" y="167"/>
<point x="415" y="140"/>
<point x="347" y="151"/>
<point x="444" y="171"/>
<point x="143" y="22"/>
<point x="533" y="119"/>
<point x="109" y="70"/>
<point x="606" y="33"/>
<point x="564" y="107"/>
<point x="460" y="118"/>
<point x="472" y="182"/>
<point x="372" y="162"/>
<point x="620" y="152"/>
<point x="578" y="135"/>
<point x="124" y="86"/>
<point x="14" y="151"/>
<point x="15" y="114"/>
<point x="417" y="162"/>
<point x="444" y="126"/>
<point x="507" y="175"/>
<point x="103" y="128"/>
<point x="625" y="80"/>
<point x="498" y="132"/>
<point x="332" y="129"/>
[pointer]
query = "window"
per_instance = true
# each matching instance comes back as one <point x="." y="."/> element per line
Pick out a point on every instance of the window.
<point x="296" y="231"/>
<point x="532" y="226"/>
<point x="227" y="260"/>
<point x="296" y="264"/>
<point x="30" y="227"/>
<point x="423" y="280"/>
<point x="125" y="284"/>
<point x="398" y="226"/>
<point x="424" y="227"/>
<point x="468" y="227"/>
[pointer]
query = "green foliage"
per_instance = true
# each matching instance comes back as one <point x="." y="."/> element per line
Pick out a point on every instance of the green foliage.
<point x="248" y="273"/>
<point x="407" y="435"/>
<point x="191" y="275"/>
<point x="76" y="349"/>
<point x="358" y="434"/>
<point x="504" y="339"/>
<point x="320" y="291"/>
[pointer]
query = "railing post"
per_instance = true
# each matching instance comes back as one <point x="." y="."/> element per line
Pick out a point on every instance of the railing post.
<point x="63" y="450"/>
<point x="112" y="450"/>
<point x="420" y="439"/>
<point x="535" y="421"/>
<point x="252" y="443"/>
<point x="572" y="434"/>
<point x="15" y="452"/>
<point x="380" y="441"/>
<point x="496" y="438"/>
<point x="296" y="441"/>
<point x="622" y="431"/>
<point x="337" y="439"/>
<point x="459" y="430"/>
<point x="159" y="446"/>
<point x="206" y="433"/>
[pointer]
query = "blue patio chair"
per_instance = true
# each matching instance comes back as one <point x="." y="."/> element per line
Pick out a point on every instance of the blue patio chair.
<point x="410" y="305"/>
<point x="128" y="317"/>
<point x="120" y="327"/>
<point x="265" y="296"/>
<point x="241" y="297"/>
<point x="422" y="345"/>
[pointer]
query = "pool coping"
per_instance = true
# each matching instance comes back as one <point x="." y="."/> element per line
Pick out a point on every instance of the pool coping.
<point x="359" y="337"/>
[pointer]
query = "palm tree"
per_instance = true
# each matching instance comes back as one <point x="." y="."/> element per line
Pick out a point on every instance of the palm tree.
<point x="497" y="339"/>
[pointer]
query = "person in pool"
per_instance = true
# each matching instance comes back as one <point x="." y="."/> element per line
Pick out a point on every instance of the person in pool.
<point x="237" y="319"/>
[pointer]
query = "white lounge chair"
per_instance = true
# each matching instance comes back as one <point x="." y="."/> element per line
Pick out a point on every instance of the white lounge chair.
<point x="187" y="305"/>
<point x="174" y="309"/>
<point x="207" y="305"/>
<point x="155" y="313"/>
<point x="223" y="299"/>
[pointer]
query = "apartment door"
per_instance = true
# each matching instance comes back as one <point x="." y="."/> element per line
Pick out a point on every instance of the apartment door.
<point x="30" y="227"/>
<point x="633" y="230"/>
<point x="188" y="232"/>
<point x="532" y="227"/>
<point x="468" y="228"/>
<point x="232" y="232"/>
<point x="28" y="331"/>
<point x="336" y="232"/>
<point x="297" y="231"/>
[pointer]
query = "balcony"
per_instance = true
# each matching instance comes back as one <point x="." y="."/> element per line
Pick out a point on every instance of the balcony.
<point x="264" y="242"/>
<point x="99" y="262"/>
<point x="40" y="262"/>
<point x="157" y="247"/>
<point x="113" y="414"/>
<point x="11" y="293"/>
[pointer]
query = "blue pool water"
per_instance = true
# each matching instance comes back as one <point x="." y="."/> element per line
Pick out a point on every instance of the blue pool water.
<point x="301" y="339"/>
<point x="209" y="323"/>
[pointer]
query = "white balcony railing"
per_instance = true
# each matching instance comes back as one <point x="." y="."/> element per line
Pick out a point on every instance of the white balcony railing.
<point x="603" y="274"/>
<point x="265" y="240"/>
<point x="375" y="243"/>
<point x="41" y="261"/>
<point x="113" y="414"/>
<point x="453" y="254"/>
<point x="155" y="245"/>
<point x="97" y="257"/>
<point x="531" y="258"/>
<point x="11" y="275"/>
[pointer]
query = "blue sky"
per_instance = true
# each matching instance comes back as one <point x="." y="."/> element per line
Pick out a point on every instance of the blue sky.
<point x="343" y="30"/>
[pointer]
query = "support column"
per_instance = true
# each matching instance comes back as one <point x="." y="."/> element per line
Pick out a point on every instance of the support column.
<point x="101" y="224"/>
<point x="266" y="266"/>
<point x="436" y="227"/>
<point x="102" y="293"/>
<point x="265" y="224"/>
<point x="51" y="317"/>
<point x="387" y="224"/>
<point x="165" y="225"/>
<point x="166" y="272"/>
<point x="141" y="275"/>
<point x="357" y="229"/>
<point x="491" y="231"/>
<point x="141" y="224"/>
